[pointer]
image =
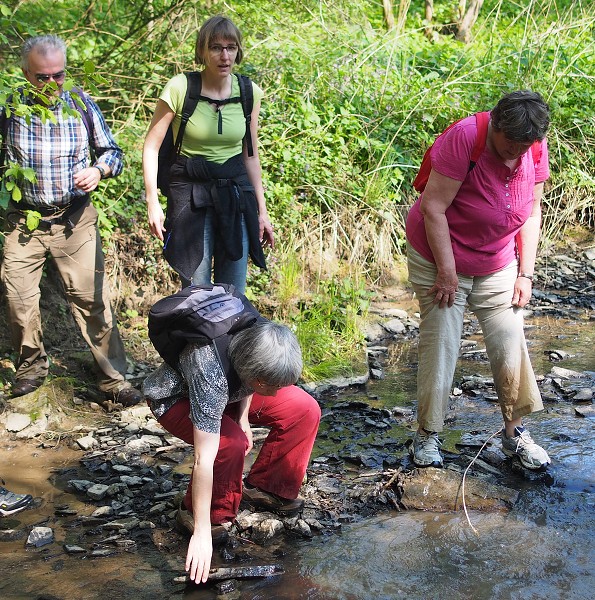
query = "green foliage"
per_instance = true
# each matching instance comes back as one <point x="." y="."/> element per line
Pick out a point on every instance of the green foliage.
<point x="349" y="108"/>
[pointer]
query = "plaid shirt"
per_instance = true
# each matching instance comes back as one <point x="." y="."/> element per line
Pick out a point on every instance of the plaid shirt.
<point x="57" y="150"/>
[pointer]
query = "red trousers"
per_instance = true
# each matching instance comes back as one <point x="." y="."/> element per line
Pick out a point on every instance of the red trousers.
<point x="293" y="416"/>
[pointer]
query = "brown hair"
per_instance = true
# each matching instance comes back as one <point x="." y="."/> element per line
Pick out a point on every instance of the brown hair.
<point x="215" y="29"/>
<point x="523" y="116"/>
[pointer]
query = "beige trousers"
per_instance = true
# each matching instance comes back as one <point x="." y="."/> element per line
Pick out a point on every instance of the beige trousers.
<point x="79" y="259"/>
<point x="489" y="298"/>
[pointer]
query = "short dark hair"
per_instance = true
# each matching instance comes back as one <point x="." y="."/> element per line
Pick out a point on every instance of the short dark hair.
<point x="523" y="116"/>
<point x="43" y="44"/>
<point x="215" y="29"/>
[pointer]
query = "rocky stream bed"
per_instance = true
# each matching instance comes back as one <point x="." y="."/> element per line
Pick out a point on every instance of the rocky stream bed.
<point x="130" y="474"/>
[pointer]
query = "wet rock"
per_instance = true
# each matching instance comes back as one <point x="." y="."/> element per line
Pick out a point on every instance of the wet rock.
<point x="40" y="536"/>
<point x="583" y="395"/>
<point x="373" y="332"/>
<point x="122" y="524"/>
<point x="267" y="529"/>
<point x="102" y="553"/>
<point x="80" y="485"/>
<point x="585" y="411"/>
<point x="102" y="512"/>
<point x="36" y="428"/>
<point x="441" y="490"/>
<point x="17" y="422"/>
<point x="97" y="491"/>
<point x="566" y="373"/>
<point x="299" y="526"/>
<point x="87" y="442"/>
<point x="12" y="535"/>
<point x="394" y="326"/>
<point x="73" y="549"/>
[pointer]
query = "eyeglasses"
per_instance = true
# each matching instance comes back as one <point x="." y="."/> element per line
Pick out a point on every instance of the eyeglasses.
<point x="57" y="77"/>
<point x="218" y="48"/>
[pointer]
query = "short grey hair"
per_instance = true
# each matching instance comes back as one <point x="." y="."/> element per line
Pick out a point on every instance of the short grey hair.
<point x="268" y="352"/>
<point x="43" y="44"/>
<point x="522" y="116"/>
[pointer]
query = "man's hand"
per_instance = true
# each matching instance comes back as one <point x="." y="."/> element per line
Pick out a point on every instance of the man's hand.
<point x="87" y="179"/>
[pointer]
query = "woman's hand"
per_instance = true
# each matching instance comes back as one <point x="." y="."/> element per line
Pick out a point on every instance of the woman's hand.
<point x="522" y="292"/>
<point x="265" y="232"/>
<point x="245" y="426"/>
<point x="444" y="289"/>
<point x="156" y="219"/>
<point x="198" y="557"/>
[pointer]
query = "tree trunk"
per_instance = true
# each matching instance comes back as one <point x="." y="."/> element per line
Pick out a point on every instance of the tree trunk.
<point x="428" y="18"/>
<point x="389" y="16"/>
<point x="466" y="23"/>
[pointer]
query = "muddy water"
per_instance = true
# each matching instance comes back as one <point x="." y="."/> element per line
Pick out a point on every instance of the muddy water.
<point x="543" y="549"/>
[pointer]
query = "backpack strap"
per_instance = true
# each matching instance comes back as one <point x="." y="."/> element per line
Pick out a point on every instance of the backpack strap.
<point x="87" y="118"/>
<point x="536" y="152"/>
<point x="3" y="132"/>
<point x="482" y="120"/>
<point x="247" y="100"/>
<point x="193" y="87"/>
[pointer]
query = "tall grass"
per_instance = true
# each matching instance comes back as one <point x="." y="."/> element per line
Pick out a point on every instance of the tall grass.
<point x="349" y="110"/>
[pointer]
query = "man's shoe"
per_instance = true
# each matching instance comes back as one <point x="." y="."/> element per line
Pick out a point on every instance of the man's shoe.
<point x="126" y="396"/>
<point x="425" y="450"/>
<point x="258" y="498"/>
<point x="22" y="387"/>
<point x="185" y="520"/>
<point x="11" y="503"/>
<point x="521" y="445"/>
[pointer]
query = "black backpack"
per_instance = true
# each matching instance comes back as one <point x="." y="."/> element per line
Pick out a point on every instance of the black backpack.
<point x="169" y="151"/>
<point x="198" y="314"/>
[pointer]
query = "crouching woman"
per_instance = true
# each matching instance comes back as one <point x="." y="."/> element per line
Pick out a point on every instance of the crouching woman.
<point x="210" y="400"/>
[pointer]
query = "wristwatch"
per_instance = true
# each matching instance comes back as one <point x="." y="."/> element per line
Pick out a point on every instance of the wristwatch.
<point x="101" y="171"/>
<point x="526" y="276"/>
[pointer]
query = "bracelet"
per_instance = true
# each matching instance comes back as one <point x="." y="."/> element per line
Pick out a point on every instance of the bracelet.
<point x="101" y="171"/>
<point x="526" y="276"/>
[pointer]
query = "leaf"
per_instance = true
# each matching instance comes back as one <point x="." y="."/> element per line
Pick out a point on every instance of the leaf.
<point x="29" y="174"/>
<point x="16" y="194"/>
<point x="89" y="67"/>
<point x="33" y="218"/>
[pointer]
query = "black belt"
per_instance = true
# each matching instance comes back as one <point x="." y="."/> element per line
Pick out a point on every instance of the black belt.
<point x="66" y="211"/>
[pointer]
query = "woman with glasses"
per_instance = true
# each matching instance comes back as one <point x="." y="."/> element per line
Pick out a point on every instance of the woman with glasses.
<point x="216" y="197"/>
<point x="209" y="401"/>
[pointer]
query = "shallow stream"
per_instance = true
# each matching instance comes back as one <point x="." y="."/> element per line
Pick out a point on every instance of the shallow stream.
<point x="544" y="548"/>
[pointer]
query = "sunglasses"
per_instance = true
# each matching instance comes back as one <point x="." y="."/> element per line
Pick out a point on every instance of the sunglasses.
<point x="57" y="77"/>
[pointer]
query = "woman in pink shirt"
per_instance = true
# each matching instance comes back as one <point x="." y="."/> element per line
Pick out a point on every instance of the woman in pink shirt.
<point x="472" y="240"/>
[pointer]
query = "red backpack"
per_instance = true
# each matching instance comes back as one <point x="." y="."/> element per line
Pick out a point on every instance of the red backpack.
<point x="482" y="119"/>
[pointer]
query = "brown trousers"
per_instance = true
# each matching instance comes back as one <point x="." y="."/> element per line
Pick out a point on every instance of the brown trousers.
<point x="79" y="259"/>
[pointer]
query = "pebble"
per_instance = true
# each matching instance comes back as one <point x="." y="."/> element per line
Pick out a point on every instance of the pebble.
<point x="40" y="536"/>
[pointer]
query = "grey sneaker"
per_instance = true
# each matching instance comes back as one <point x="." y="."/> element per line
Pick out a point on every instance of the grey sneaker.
<point x="531" y="455"/>
<point x="425" y="449"/>
<point x="11" y="503"/>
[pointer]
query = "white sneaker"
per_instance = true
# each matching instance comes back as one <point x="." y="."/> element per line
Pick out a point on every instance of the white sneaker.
<point x="425" y="449"/>
<point x="531" y="455"/>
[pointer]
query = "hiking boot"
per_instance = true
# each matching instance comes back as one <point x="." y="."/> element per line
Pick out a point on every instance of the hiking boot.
<point x="126" y="396"/>
<point x="11" y="503"/>
<point x="521" y="445"/>
<point x="258" y="498"/>
<point x="185" y="520"/>
<point x="22" y="387"/>
<point x="425" y="449"/>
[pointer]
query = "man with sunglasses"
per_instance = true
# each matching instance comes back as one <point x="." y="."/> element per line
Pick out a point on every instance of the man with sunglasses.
<point x="57" y="145"/>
